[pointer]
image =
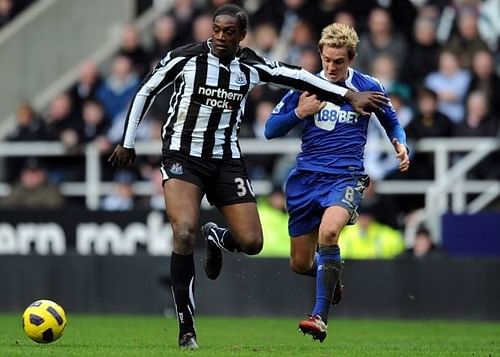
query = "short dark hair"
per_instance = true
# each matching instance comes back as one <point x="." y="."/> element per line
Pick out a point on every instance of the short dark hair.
<point x="234" y="11"/>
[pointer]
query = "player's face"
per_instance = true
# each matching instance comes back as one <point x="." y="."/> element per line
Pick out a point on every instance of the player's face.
<point x="335" y="63"/>
<point x="226" y="35"/>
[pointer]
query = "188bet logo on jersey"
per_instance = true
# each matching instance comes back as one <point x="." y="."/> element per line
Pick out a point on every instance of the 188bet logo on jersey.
<point x="328" y="117"/>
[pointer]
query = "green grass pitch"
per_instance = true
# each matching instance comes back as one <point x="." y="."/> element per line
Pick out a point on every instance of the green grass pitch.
<point x="112" y="335"/>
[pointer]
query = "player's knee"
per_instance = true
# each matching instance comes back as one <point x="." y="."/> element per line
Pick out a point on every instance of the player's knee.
<point x="300" y="266"/>
<point x="329" y="235"/>
<point x="253" y="246"/>
<point x="184" y="238"/>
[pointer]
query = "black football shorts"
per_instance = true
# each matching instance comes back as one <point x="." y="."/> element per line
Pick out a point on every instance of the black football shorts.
<point x="224" y="181"/>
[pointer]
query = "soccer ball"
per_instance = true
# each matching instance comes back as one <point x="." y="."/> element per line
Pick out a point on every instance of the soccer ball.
<point x="44" y="321"/>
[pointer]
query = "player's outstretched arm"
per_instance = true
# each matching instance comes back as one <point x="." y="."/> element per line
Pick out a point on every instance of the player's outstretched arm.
<point x="366" y="102"/>
<point x="300" y="79"/>
<point x="121" y="157"/>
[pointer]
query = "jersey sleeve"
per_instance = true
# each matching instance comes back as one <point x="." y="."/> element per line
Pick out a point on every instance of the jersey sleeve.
<point x="389" y="119"/>
<point x="161" y="76"/>
<point x="289" y="76"/>
<point x="283" y="117"/>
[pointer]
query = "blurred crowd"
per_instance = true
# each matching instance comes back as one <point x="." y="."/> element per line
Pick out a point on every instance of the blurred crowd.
<point x="437" y="59"/>
<point x="9" y="9"/>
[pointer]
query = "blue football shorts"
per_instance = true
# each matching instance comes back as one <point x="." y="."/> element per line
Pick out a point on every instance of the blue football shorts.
<point x="310" y="193"/>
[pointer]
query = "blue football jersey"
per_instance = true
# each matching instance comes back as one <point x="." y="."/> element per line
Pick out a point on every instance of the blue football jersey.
<point x="333" y="140"/>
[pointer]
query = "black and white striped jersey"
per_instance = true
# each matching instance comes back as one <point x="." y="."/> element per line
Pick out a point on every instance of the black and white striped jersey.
<point x="209" y="96"/>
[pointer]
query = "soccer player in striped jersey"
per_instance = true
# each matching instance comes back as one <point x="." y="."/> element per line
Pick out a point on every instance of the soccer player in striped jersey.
<point x="201" y="155"/>
<point x="325" y="188"/>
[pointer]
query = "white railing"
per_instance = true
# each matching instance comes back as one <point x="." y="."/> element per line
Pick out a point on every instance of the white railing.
<point x="450" y="178"/>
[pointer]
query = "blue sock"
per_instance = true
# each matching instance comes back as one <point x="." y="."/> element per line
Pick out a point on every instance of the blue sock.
<point x="328" y="273"/>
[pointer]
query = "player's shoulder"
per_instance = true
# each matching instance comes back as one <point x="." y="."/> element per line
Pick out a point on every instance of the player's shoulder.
<point x="248" y="56"/>
<point x="190" y="50"/>
<point x="364" y="82"/>
<point x="291" y="96"/>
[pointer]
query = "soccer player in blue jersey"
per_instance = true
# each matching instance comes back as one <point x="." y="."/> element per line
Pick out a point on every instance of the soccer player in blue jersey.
<point x="325" y="188"/>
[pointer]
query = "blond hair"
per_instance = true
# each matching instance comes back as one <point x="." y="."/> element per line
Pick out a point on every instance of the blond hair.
<point x="339" y="35"/>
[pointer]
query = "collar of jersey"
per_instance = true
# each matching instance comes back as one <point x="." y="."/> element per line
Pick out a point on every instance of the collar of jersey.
<point x="345" y="83"/>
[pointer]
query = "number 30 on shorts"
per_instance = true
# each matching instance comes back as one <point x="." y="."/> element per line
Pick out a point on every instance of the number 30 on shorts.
<point x="244" y="186"/>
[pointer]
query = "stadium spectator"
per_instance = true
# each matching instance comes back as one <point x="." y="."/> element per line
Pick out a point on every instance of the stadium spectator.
<point x="89" y="79"/>
<point x="428" y="122"/>
<point x="62" y="125"/>
<point x="369" y="239"/>
<point x="466" y="42"/>
<point x="33" y="191"/>
<point x="423" y="246"/>
<point x="485" y="79"/>
<point x="450" y="82"/>
<point x="478" y="120"/>
<point x="29" y="127"/>
<point x="302" y="37"/>
<point x="480" y="123"/>
<point x="119" y="87"/>
<point x="381" y="37"/>
<point x="403" y="14"/>
<point x="202" y="28"/>
<point x="164" y="34"/>
<point x="132" y="48"/>
<point x="61" y="122"/>
<point x="423" y="54"/>
<point x="346" y="18"/>
<point x="489" y="23"/>
<point x="325" y="189"/>
<point x="7" y="12"/>
<point x="212" y="5"/>
<point x="400" y="102"/>
<point x="309" y="59"/>
<point x="334" y="10"/>
<point x="450" y="10"/>
<point x="284" y="14"/>
<point x="265" y="39"/>
<point x="200" y="150"/>
<point x="9" y="9"/>
<point x="184" y="12"/>
<point x="385" y="70"/>
<point x="95" y="125"/>
<point x="122" y="198"/>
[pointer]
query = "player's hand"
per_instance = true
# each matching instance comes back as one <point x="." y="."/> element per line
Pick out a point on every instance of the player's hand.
<point x="366" y="102"/>
<point x="309" y="104"/>
<point x="121" y="157"/>
<point x="401" y="155"/>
